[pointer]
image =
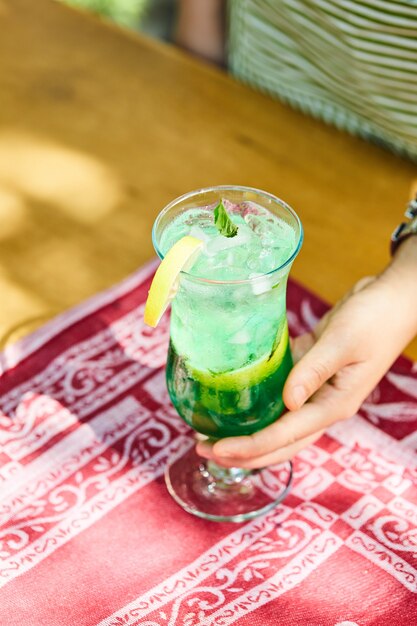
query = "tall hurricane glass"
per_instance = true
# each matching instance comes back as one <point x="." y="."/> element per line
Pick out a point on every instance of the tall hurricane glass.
<point x="229" y="352"/>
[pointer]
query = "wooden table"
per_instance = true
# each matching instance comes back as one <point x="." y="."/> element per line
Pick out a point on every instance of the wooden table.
<point x="99" y="128"/>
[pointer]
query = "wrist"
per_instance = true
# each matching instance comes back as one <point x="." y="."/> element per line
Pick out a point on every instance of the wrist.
<point x="401" y="277"/>
<point x="406" y="229"/>
<point x="404" y="262"/>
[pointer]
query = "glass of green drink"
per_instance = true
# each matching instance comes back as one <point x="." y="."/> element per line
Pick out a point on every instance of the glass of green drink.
<point x="229" y="353"/>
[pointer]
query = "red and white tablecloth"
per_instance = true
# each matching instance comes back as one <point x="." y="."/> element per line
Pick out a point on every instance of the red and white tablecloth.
<point x="90" y="536"/>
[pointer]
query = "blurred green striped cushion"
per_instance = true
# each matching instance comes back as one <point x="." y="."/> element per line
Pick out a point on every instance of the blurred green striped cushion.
<point x="352" y="64"/>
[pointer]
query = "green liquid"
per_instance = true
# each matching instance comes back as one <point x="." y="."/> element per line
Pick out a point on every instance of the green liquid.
<point x="213" y="409"/>
<point x="229" y="354"/>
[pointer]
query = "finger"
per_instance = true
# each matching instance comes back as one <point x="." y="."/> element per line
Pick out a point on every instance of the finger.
<point x="329" y="405"/>
<point x="317" y="366"/>
<point x="273" y="458"/>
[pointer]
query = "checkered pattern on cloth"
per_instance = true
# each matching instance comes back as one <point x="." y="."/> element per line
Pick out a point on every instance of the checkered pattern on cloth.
<point x="90" y="536"/>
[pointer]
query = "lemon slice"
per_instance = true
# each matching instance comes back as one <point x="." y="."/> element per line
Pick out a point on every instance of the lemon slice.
<point x="245" y="377"/>
<point x="167" y="277"/>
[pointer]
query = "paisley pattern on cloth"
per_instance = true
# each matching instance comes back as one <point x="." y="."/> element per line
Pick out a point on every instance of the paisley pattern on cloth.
<point x="90" y="536"/>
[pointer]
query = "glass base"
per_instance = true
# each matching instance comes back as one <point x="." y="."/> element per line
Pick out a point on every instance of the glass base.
<point x="216" y="493"/>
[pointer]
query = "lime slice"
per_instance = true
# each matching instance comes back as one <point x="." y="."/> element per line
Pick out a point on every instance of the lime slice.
<point x="166" y="280"/>
<point x="247" y="376"/>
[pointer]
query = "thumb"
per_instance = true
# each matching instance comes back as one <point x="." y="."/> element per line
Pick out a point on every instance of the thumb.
<point x="327" y="356"/>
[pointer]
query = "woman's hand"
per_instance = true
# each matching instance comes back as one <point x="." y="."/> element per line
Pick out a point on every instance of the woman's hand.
<point x="337" y="365"/>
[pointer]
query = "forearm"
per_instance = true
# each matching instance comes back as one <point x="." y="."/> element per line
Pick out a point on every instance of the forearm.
<point x="401" y="277"/>
<point x="200" y="28"/>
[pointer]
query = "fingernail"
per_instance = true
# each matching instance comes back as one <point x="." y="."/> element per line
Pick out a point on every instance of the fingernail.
<point x="299" y="395"/>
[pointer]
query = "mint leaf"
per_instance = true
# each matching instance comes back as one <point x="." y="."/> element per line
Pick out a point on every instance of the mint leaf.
<point x="224" y="224"/>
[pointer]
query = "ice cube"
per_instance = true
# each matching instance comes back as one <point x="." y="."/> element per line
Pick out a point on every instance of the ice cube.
<point x="198" y="232"/>
<point x="219" y="243"/>
<point x="263" y="261"/>
<point x="272" y="231"/>
<point x="262" y="284"/>
<point x="255" y="223"/>
<point x="195" y="217"/>
<point x="282" y="251"/>
<point x="242" y="336"/>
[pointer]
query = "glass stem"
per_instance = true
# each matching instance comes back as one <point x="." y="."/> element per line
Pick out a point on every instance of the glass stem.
<point x="225" y="477"/>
